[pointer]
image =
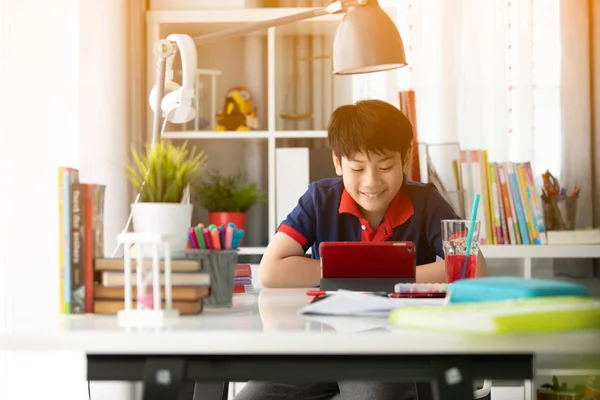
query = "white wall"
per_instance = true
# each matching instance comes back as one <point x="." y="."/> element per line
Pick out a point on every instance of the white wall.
<point x="47" y="121"/>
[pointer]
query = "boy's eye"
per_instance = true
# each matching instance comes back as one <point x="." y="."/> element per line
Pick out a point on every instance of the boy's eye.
<point x="386" y="168"/>
<point x="356" y="169"/>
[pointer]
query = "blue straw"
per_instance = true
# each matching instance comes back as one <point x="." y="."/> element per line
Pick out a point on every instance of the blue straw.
<point x="463" y="273"/>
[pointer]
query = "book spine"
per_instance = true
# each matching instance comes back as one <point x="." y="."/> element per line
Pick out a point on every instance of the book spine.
<point x="537" y="204"/>
<point x="498" y="238"/>
<point x="71" y="177"/>
<point x="513" y="210"/>
<point x="503" y="228"/>
<point x="94" y="239"/>
<point x="88" y="259"/>
<point x="514" y="189"/>
<point x="530" y="212"/>
<point x="510" y="218"/>
<point x="78" y="193"/>
<point x="485" y="190"/>
<point x="61" y="240"/>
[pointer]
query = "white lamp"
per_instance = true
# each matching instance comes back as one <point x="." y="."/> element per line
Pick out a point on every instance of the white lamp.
<point x="366" y="40"/>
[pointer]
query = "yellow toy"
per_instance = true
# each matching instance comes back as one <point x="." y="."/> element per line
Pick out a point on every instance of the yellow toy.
<point x="238" y="113"/>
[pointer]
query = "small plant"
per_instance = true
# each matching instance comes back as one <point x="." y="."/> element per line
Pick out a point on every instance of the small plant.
<point x="228" y="193"/>
<point x="161" y="173"/>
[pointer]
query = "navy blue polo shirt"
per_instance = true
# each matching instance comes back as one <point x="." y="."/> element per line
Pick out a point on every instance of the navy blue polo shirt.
<point x="327" y="213"/>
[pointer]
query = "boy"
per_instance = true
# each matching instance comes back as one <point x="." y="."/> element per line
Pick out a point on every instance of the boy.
<point x="372" y="201"/>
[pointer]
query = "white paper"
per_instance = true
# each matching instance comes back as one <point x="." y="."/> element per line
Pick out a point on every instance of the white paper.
<point x="346" y="303"/>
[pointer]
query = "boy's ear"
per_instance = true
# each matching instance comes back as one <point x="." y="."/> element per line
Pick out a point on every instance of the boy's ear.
<point x="337" y="163"/>
<point x="406" y="159"/>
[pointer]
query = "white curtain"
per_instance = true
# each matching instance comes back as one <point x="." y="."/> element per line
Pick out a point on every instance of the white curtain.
<point x="486" y="74"/>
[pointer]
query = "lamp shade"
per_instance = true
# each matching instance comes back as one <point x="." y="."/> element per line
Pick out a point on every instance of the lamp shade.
<point x="367" y="40"/>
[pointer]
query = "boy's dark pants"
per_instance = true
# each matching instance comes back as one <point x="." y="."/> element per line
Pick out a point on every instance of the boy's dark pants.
<point x="255" y="390"/>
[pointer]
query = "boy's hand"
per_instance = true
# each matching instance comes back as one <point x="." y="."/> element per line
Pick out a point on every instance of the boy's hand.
<point x="284" y="265"/>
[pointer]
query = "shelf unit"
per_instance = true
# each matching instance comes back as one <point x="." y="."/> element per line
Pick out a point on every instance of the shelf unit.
<point x="526" y="253"/>
<point x="160" y="23"/>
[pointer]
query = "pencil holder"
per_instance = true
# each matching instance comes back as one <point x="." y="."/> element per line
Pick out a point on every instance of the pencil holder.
<point x="221" y="266"/>
<point x="560" y="212"/>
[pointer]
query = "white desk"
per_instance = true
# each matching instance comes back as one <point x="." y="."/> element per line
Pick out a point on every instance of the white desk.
<point x="262" y="337"/>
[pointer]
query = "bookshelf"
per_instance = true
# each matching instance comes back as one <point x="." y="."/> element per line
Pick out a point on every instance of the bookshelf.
<point x="260" y="61"/>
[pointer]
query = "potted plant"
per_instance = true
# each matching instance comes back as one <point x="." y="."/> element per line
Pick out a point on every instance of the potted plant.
<point x="161" y="174"/>
<point x="228" y="197"/>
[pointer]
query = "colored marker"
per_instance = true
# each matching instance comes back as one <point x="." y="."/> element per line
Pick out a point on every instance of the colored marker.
<point x="208" y="238"/>
<point x="228" y="237"/>
<point x="215" y="239"/>
<point x="194" y="239"/>
<point x="200" y="237"/>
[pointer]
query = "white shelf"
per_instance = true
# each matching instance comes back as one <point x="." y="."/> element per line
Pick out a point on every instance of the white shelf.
<point x="243" y="134"/>
<point x="252" y="251"/>
<point x="216" y="135"/>
<point x="523" y="252"/>
<point x="539" y="251"/>
<point x="300" y="134"/>
<point x="511" y="251"/>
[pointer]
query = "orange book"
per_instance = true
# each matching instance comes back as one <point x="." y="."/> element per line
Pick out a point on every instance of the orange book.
<point x="114" y="306"/>
<point x="178" y="293"/>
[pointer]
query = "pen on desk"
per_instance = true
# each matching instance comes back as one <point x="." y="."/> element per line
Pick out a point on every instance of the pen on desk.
<point x="328" y="292"/>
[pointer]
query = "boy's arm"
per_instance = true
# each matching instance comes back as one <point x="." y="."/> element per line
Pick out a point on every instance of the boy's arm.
<point x="284" y="265"/>
<point x="436" y="272"/>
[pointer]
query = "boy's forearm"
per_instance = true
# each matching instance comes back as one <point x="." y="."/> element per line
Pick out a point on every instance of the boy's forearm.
<point x="292" y="271"/>
<point x="436" y="272"/>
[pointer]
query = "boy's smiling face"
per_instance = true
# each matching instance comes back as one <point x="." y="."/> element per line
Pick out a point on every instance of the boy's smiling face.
<point x="372" y="180"/>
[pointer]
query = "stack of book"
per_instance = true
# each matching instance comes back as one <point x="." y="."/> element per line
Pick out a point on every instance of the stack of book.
<point x="242" y="282"/>
<point x="510" y="210"/>
<point x="189" y="285"/>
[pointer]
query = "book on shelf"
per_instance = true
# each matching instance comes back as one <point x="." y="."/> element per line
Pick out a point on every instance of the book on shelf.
<point x="510" y="208"/>
<point x="81" y="239"/>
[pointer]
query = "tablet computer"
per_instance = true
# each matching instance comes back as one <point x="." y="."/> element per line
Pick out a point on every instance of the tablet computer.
<point x="351" y="260"/>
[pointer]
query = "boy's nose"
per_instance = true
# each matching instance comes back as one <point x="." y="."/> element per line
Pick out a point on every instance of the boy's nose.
<point x="372" y="178"/>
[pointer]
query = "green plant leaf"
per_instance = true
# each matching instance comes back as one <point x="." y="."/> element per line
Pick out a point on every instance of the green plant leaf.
<point x="231" y="193"/>
<point x="161" y="173"/>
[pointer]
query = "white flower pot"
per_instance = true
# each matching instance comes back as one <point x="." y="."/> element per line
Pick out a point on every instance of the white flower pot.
<point x="172" y="219"/>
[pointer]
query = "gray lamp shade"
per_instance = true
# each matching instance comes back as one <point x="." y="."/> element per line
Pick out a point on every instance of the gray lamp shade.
<point x="367" y="40"/>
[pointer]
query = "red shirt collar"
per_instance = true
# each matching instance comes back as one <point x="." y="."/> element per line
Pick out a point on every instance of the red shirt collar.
<point x="397" y="213"/>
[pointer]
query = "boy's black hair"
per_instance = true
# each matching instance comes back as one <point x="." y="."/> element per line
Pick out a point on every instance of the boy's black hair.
<point x="369" y="126"/>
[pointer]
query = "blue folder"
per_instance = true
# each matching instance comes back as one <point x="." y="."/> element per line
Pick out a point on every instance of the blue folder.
<point x="499" y="288"/>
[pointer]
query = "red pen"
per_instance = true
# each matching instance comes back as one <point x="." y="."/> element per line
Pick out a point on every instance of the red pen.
<point x="327" y="292"/>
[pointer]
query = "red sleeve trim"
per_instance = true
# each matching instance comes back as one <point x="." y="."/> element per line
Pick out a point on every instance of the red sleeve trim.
<point x="294" y="234"/>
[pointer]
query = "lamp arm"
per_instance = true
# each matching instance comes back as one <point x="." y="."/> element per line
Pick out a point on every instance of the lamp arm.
<point x="333" y="8"/>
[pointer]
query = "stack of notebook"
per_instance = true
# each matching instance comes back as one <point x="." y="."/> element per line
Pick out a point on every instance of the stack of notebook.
<point x="189" y="285"/>
<point x="506" y="305"/>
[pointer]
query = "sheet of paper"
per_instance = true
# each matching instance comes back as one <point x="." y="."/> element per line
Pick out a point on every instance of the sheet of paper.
<point x="360" y="304"/>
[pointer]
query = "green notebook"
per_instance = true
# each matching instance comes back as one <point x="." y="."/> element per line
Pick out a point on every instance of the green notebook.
<point x="544" y="314"/>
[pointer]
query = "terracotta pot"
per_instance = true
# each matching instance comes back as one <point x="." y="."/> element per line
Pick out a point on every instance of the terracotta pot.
<point x="225" y="217"/>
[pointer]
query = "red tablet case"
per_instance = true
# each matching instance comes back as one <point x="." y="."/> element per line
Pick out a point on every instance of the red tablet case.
<point x="368" y="260"/>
